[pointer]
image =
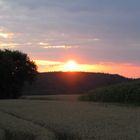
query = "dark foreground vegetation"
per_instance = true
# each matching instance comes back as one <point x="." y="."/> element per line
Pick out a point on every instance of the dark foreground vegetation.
<point x="70" y="82"/>
<point x="124" y="93"/>
<point x="15" y="69"/>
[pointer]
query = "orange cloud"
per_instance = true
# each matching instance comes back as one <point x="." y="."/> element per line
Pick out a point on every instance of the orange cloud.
<point x="6" y="35"/>
<point x="127" y="70"/>
<point x="8" y="45"/>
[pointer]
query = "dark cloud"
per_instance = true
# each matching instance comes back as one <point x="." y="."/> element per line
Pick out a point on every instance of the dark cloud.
<point x="102" y="30"/>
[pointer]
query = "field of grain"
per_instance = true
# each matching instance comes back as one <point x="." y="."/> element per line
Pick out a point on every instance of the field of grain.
<point x="73" y="97"/>
<point x="62" y="120"/>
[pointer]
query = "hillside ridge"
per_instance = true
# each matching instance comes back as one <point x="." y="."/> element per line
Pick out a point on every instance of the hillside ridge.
<point x="70" y="82"/>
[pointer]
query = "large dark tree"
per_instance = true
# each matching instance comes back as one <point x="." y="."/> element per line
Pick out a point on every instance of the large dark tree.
<point x="15" y="69"/>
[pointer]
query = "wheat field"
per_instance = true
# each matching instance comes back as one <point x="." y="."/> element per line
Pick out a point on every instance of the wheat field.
<point x="62" y="120"/>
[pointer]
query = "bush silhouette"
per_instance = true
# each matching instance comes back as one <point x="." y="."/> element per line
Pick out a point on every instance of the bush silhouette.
<point x="15" y="69"/>
<point x="128" y="92"/>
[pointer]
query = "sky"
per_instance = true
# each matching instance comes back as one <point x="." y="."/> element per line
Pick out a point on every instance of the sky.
<point x="100" y="35"/>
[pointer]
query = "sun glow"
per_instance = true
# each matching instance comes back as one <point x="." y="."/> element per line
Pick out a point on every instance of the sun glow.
<point x="71" y="65"/>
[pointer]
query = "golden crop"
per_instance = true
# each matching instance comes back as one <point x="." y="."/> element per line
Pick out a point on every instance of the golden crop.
<point x="70" y="120"/>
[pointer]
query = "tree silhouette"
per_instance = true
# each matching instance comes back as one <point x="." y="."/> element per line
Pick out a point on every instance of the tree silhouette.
<point x="15" y="69"/>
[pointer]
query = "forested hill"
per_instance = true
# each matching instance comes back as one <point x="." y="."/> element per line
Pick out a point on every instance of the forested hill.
<point x="70" y="82"/>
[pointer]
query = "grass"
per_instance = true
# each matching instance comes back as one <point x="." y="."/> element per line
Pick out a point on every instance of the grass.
<point x="122" y="93"/>
<point x="69" y="120"/>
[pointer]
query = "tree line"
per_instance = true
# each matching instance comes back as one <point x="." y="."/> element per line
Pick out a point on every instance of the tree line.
<point x="15" y="69"/>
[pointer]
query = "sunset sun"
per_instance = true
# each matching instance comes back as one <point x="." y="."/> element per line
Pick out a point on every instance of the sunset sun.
<point x="71" y="65"/>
